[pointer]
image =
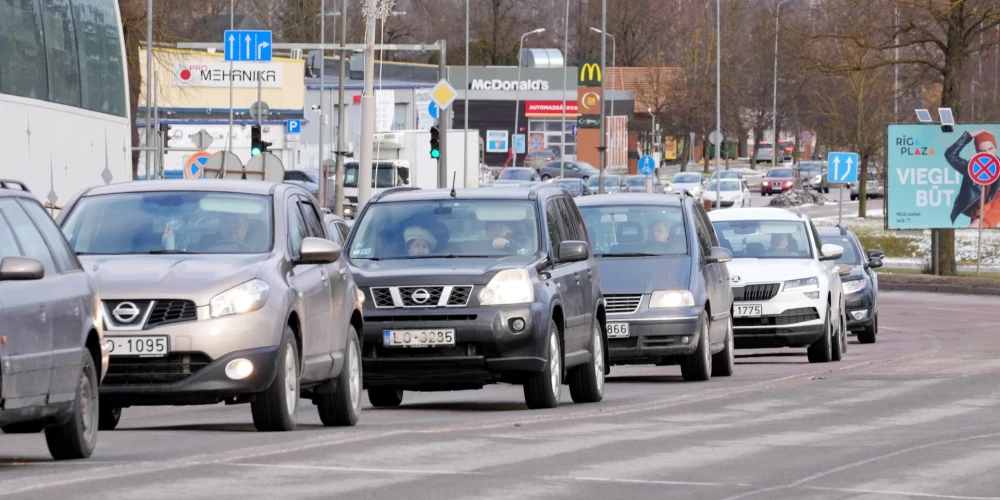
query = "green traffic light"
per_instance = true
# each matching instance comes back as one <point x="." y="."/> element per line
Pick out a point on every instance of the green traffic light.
<point x="254" y="151"/>
<point x="435" y="153"/>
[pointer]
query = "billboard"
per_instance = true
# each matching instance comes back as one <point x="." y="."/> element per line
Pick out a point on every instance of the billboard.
<point x="927" y="177"/>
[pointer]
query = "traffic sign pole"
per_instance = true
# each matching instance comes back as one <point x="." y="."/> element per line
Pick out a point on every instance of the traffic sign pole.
<point x="982" y="208"/>
<point x="984" y="169"/>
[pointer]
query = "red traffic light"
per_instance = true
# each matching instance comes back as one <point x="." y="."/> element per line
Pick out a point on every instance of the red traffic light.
<point x="435" y="133"/>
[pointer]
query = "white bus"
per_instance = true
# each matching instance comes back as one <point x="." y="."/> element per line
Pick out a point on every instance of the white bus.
<point x="64" y="114"/>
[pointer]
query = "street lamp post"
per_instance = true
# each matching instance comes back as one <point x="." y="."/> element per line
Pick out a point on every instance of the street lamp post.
<point x="603" y="148"/>
<point x="614" y="54"/>
<point x="517" y="99"/>
<point x="466" y="92"/>
<point x="718" y="100"/>
<point x="774" y="109"/>
<point x="562" y="142"/>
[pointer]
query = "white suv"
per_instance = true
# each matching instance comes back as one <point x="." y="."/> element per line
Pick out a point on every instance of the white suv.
<point x="786" y="287"/>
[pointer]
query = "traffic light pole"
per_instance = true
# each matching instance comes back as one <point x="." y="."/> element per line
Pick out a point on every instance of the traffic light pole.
<point x="443" y="120"/>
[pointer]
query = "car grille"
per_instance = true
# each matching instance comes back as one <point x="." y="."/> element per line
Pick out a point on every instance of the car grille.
<point x="414" y="296"/>
<point x="382" y="297"/>
<point x="763" y="291"/>
<point x="618" y="304"/>
<point x="142" y="371"/>
<point x="418" y="318"/>
<point x="171" y="311"/>
<point x="422" y="296"/>
<point x="626" y="343"/>
<point x="789" y="317"/>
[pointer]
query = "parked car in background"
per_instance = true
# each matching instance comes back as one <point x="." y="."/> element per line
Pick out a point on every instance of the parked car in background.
<point x="812" y="175"/>
<point x="637" y="184"/>
<point x="731" y="192"/>
<point x="691" y="182"/>
<point x="873" y="188"/>
<point x="538" y="159"/>
<point x="665" y="283"/>
<point x="220" y="290"/>
<point x="786" y="285"/>
<point x="860" y="285"/>
<point x="765" y="152"/>
<point x="613" y="183"/>
<point x="54" y="356"/>
<point x="306" y="179"/>
<point x="576" y="187"/>
<point x="471" y="287"/>
<point x="570" y="170"/>
<point x="786" y="150"/>
<point x="726" y="174"/>
<point x="777" y="181"/>
<point x="517" y="175"/>
<point x="338" y="227"/>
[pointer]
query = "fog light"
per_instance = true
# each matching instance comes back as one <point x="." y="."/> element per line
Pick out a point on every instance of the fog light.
<point x="859" y="315"/>
<point x="685" y="340"/>
<point x="239" y="369"/>
<point x="517" y="325"/>
<point x="812" y="295"/>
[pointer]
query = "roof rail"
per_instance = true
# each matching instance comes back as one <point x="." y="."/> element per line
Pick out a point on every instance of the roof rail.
<point x="4" y="184"/>
<point x="399" y="189"/>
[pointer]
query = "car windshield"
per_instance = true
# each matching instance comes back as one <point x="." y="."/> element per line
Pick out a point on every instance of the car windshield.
<point x="779" y="172"/>
<point x="687" y="179"/>
<point x="200" y="222"/>
<point x="635" y="230"/>
<point x="726" y="175"/>
<point x="850" y="256"/>
<point x="446" y="229"/>
<point x="585" y="166"/>
<point x="764" y="239"/>
<point x="609" y="181"/>
<point x="726" y="185"/>
<point x="515" y="174"/>
<point x="571" y="186"/>
<point x="810" y="168"/>
<point x="383" y="175"/>
<point x="636" y="181"/>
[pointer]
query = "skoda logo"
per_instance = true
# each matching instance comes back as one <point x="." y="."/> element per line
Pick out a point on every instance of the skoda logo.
<point x="420" y="296"/>
<point x="125" y="312"/>
<point x="735" y="279"/>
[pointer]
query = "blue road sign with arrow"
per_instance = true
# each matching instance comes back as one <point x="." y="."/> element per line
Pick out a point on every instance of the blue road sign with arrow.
<point x="647" y="165"/>
<point x="247" y="45"/>
<point x="842" y="167"/>
<point x="432" y="109"/>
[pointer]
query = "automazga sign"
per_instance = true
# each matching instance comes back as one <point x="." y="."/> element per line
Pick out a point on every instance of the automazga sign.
<point x="220" y="74"/>
<point x="498" y="84"/>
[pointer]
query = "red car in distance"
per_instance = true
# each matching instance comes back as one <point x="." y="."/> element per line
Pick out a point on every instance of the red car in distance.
<point x="777" y="181"/>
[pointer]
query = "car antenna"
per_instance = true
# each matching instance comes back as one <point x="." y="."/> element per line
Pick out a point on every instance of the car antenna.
<point x="453" y="175"/>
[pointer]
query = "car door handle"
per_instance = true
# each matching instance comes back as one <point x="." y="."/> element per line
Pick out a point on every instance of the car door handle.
<point x="322" y="275"/>
<point x="342" y="272"/>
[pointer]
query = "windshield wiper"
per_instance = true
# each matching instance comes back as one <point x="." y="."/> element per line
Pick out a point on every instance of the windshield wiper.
<point x="449" y="256"/>
<point x="160" y="252"/>
<point x="629" y="254"/>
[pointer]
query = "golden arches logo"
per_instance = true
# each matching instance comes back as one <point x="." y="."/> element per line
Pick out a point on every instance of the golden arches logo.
<point x="590" y="70"/>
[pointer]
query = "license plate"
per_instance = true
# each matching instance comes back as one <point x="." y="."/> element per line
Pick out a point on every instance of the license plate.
<point x="418" y="338"/>
<point x="617" y="330"/>
<point x="144" y="346"/>
<point x="748" y="311"/>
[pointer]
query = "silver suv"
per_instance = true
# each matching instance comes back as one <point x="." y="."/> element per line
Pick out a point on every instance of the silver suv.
<point x="52" y="353"/>
<point x="220" y="290"/>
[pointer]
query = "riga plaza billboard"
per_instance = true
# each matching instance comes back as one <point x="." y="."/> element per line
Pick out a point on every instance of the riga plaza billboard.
<point x="927" y="177"/>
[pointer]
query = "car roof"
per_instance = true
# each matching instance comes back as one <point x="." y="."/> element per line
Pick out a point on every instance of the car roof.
<point x="14" y="189"/>
<point x="756" y="213"/>
<point x="225" y="185"/>
<point x="512" y="193"/>
<point x="599" y="200"/>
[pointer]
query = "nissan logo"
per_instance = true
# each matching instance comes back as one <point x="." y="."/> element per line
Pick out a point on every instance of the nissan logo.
<point x="125" y="312"/>
<point x="420" y="296"/>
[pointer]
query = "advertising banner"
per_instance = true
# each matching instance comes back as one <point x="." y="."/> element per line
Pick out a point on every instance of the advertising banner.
<point x="928" y="182"/>
<point x="669" y="148"/>
<point x="211" y="74"/>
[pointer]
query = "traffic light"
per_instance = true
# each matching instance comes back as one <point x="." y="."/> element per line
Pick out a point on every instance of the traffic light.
<point x="256" y="145"/>
<point x="435" y="143"/>
<point x="164" y="130"/>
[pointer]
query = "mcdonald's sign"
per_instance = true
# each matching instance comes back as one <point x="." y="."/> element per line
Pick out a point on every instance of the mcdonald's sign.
<point x="590" y="73"/>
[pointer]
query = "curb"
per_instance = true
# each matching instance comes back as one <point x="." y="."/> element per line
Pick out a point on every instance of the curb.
<point x="931" y="288"/>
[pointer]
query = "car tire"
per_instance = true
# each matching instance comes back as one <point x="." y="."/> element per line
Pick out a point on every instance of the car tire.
<point x="77" y="437"/>
<point x="826" y="190"/>
<point x="546" y="177"/>
<point x="341" y="407"/>
<point x="854" y="197"/>
<point x="840" y="343"/>
<point x="543" y="389"/>
<point x="821" y="351"/>
<point x="385" y="397"/>
<point x="23" y="428"/>
<point x="586" y="382"/>
<point x="108" y="417"/>
<point x="867" y="336"/>
<point x="697" y="367"/>
<point x="724" y="361"/>
<point x="276" y="409"/>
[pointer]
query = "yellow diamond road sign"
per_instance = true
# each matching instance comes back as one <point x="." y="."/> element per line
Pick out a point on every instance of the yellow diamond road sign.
<point x="443" y="94"/>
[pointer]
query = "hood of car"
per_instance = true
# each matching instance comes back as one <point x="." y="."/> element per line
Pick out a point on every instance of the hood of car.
<point x="193" y="277"/>
<point x="747" y="271"/>
<point x="644" y="274"/>
<point x="434" y="271"/>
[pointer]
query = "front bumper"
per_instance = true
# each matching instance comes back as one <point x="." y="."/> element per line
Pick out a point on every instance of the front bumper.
<point x="486" y="350"/>
<point x="764" y="188"/>
<point x="655" y="333"/>
<point x="860" y="310"/>
<point x="787" y="320"/>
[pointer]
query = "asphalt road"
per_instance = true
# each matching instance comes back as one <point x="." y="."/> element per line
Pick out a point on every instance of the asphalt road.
<point x="913" y="416"/>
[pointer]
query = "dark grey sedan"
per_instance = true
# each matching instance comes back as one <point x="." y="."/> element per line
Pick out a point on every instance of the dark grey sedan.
<point x="570" y="170"/>
<point x="612" y="184"/>
<point x="665" y="282"/>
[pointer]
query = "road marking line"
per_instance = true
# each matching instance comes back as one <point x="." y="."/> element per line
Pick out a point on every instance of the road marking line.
<point x="902" y="493"/>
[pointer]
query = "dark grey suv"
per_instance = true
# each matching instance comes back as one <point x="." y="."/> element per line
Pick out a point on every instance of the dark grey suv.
<point x="472" y="287"/>
<point x="52" y="353"/>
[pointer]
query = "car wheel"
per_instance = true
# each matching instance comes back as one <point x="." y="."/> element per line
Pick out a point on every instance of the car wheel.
<point x="385" y="397"/>
<point x="698" y="365"/>
<point x="546" y="177"/>
<point x="108" y="417"/>
<point x="342" y="406"/>
<point x="821" y="351"/>
<point x="724" y="361"/>
<point x="826" y="190"/>
<point x="854" y="197"/>
<point x="867" y="336"/>
<point x="840" y="342"/>
<point x="22" y="428"/>
<point x="77" y="437"/>
<point x="586" y="382"/>
<point x="544" y="388"/>
<point x="276" y="409"/>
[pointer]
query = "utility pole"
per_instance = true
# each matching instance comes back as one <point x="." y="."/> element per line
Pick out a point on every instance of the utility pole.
<point x="562" y="128"/>
<point x="367" y="108"/>
<point x="718" y="102"/>
<point x="465" y="160"/>
<point x="322" y="103"/>
<point x="149" y="86"/>
<point x="443" y="115"/>
<point x="604" y="139"/>
<point x="338" y="203"/>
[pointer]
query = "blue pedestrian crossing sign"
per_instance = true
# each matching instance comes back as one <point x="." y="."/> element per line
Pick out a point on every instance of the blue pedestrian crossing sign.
<point x="519" y="143"/>
<point x="842" y="168"/>
<point x="293" y="126"/>
<point x="647" y="165"/>
<point x="247" y="45"/>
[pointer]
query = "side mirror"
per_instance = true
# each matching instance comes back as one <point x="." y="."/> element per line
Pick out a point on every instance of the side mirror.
<point x="318" y="251"/>
<point x="876" y="253"/>
<point x="719" y="255"/>
<point x="572" y="251"/>
<point x="831" y="252"/>
<point x="874" y="262"/>
<point x="21" y="269"/>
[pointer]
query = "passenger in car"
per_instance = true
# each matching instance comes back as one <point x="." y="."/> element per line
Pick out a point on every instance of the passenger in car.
<point x="779" y="244"/>
<point x="659" y="233"/>
<point x="419" y="241"/>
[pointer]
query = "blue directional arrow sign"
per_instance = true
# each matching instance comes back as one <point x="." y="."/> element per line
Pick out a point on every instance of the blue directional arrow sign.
<point x="247" y="45"/>
<point x="432" y="109"/>
<point x="647" y="165"/>
<point x="842" y="167"/>
<point x="293" y="126"/>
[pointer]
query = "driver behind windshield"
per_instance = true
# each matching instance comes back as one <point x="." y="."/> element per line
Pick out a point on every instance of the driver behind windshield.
<point x="501" y="237"/>
<point x="233" y="229"/>
<point x="779" y="244"/>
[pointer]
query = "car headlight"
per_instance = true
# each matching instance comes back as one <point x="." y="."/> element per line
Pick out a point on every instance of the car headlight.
<point x="853" y="286"/>
<point x="807" y="286"/>
<point x="670" y="189"/>
<point x="670" y="298"/>
<point x="239" y="299"/>
<point x="510" y="286"/>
